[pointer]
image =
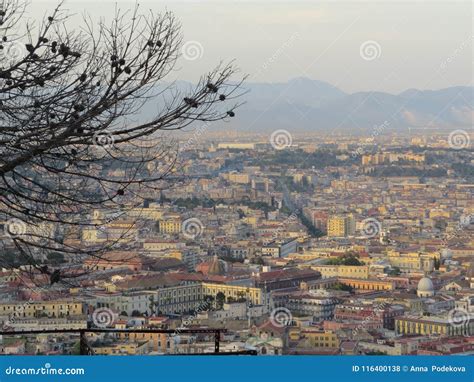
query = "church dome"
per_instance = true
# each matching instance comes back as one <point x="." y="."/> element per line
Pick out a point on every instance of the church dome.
<point x="425" y="287"/>
<point x="217" y="267"/>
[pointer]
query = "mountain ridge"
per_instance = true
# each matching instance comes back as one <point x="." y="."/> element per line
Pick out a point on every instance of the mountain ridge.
<point x="303" y="104"/>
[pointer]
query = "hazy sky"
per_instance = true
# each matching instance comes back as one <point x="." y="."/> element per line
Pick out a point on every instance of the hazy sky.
<point x="357" y="46"/>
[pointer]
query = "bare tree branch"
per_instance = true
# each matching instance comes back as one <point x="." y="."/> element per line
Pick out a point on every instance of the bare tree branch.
<point x="66" y="101"/>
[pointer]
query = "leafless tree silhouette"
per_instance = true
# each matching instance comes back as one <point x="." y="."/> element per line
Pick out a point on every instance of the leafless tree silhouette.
<point x="69" y="139"/>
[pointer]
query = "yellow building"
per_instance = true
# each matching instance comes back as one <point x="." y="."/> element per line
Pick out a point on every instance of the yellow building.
<point x="173" y="255"/>
<point x="152" y="213"/>
<point x="350" y="271"/>
<point x="414" y="157"/>
<point x="37" y="309"/>
<point x="251" y="220"/>
<point x="239" y="178"/>
<point x="170" y="225"/>
<point x="47" y="323"/>
<point x="432" y="325"/>
<point x="156" y="245"/>
<point x="116" y="231"/>
<point x="294" y="333"/>
<point x="123" y="348"/>
<point x="305" y="256"/>
<point x="336" y="226"/>
<point x="361" y="284"/>
<point x="366" y="160"/>
<point x="321" y="339"/>
<point x="255" y="295"/>
<point x="159" y="342"/>
<point x="440" y="213"/>
<point x="234" y="145"/>
<point x="301" y="177"/>
<point x="185" y="298"/>
<point x="413" y="261"/>
<point x="341" y="226"/>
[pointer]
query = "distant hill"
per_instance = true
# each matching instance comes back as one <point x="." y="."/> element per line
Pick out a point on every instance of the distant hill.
<point x="303" y="104"/>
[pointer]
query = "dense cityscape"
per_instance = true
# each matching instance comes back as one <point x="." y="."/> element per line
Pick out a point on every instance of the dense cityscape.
<point x="291" y="243"/>
<point x="236" y="190"/>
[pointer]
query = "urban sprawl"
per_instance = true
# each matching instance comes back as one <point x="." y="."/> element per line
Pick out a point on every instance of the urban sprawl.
<point x="294" y="244"/>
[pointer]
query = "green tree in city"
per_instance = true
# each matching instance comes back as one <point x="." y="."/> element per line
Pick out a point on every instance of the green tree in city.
<point x="220" y="300"/>
<point x="437" y="263"/>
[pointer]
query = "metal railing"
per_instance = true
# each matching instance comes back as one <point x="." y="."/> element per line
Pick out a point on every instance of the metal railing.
<point x="86" y="349"/>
